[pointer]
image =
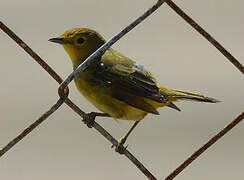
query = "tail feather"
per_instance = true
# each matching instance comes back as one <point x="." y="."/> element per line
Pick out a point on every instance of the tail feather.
<point x="175" y="94"/>
<point x="179" y="94"/>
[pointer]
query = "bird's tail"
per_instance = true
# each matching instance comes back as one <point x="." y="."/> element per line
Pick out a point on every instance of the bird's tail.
<point x="184" y="95"/>
<point x="174" y="95"/>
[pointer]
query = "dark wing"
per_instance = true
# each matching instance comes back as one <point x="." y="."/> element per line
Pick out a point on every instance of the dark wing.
<point x="128" y="82"/>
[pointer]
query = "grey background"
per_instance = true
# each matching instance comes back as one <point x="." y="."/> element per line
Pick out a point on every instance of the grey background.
<point x="63" y="148"/>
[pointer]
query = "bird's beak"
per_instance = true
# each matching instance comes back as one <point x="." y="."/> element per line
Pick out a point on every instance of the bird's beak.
<point x="59" y="40"/>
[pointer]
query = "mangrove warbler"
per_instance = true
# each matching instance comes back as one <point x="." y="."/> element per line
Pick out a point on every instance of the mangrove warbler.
<point x="114" y="83"/>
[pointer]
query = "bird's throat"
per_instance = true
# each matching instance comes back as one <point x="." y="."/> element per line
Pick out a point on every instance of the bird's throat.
<point x="76" y="56"/>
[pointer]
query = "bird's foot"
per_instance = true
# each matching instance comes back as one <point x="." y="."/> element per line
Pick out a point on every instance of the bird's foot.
<point x="89" y="119"/>
<point x="120" y="147"/>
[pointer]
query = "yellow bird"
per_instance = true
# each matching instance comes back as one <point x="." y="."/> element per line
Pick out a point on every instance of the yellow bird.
<point x="114" y="83"/>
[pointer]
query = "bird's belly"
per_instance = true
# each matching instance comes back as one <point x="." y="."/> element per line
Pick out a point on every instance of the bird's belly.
<point x="100" y="97"/>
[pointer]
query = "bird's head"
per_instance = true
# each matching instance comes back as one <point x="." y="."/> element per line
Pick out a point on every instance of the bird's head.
<point x="79" y="43"/>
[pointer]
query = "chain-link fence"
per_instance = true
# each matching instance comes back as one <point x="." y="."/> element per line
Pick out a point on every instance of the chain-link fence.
<point x="86" y="117"/>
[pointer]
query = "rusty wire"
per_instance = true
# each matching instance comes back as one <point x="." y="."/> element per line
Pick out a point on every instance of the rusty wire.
<point x="202" y="149"/>
<point x="63" y="89"/>
<point x="206" y="35"/>
<point x="234" y="61"/>
<point x="49" y="70"/>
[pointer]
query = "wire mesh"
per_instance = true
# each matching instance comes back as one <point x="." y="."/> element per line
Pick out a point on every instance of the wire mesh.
<point x="63" y="89"/>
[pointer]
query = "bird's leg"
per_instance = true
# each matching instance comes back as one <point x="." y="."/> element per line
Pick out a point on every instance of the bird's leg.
<point x="121" y="142"/>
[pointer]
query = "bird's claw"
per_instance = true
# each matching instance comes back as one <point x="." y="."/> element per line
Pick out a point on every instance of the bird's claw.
<point x="89" y="119"/>
<point x="120" y="147"/>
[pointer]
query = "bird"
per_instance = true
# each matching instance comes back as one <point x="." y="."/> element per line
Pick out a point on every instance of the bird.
<point x="116" y="84"/>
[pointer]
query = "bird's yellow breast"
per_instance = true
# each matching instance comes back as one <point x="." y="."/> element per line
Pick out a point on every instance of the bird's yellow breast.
<point x="100" y="97"/>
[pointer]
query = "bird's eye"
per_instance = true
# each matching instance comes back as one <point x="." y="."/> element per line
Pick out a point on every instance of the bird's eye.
<point x="80" y="40"/>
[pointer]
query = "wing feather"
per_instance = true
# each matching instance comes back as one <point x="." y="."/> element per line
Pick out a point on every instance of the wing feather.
<point x="127" y="81"/>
